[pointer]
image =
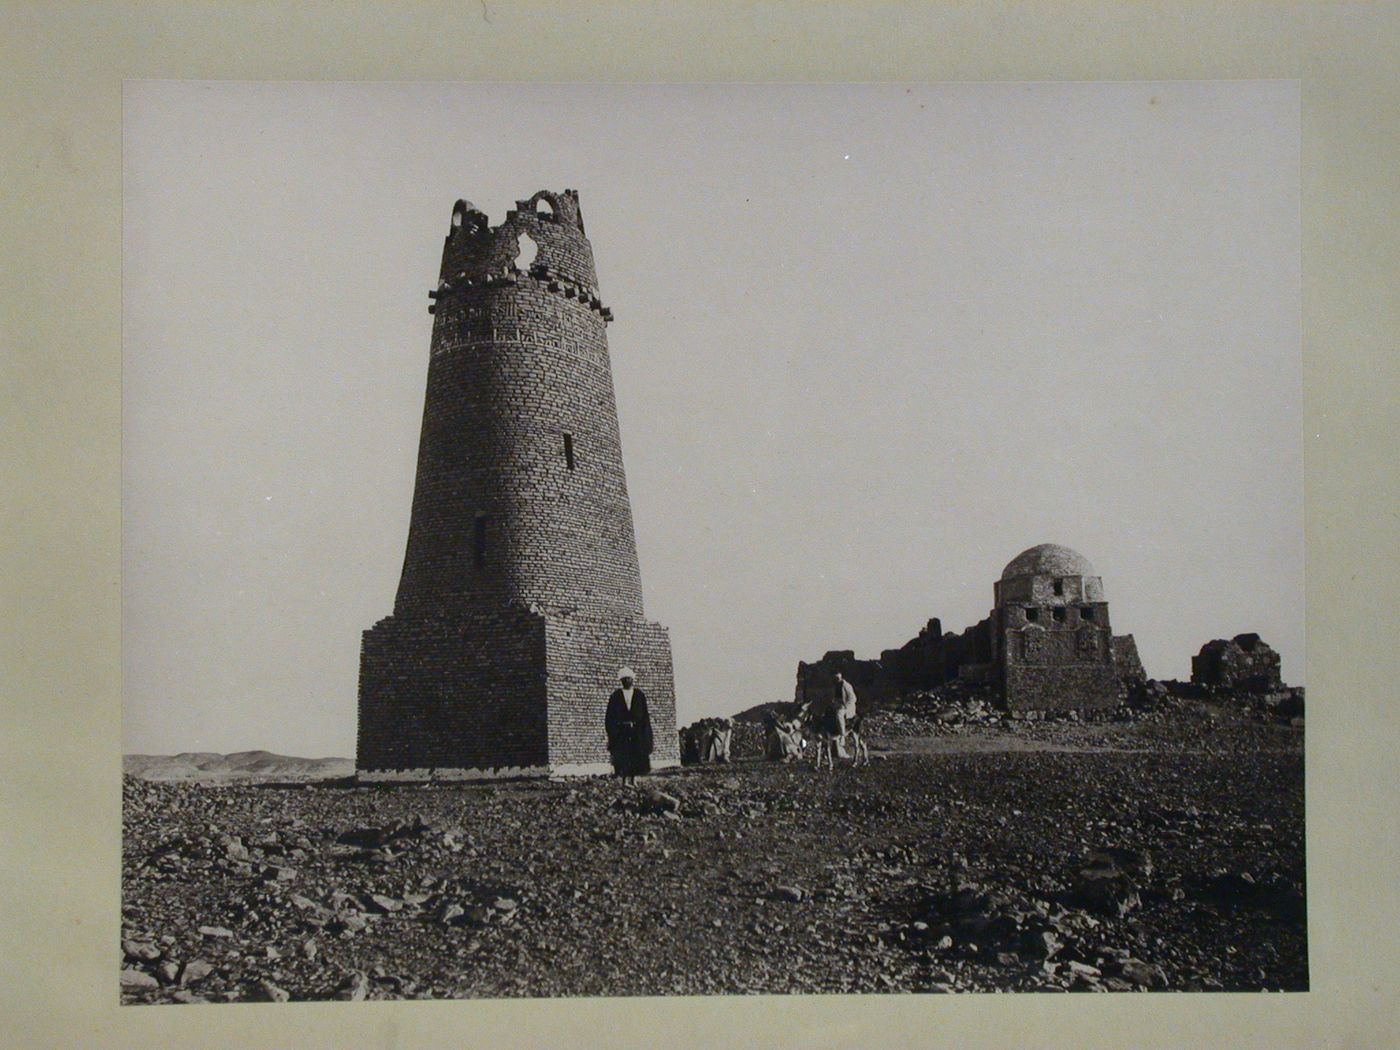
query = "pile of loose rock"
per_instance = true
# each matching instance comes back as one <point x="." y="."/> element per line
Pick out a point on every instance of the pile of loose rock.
<point x="1082" y="936"/>
<point x="1155" y="700"/>
<point x="942" y="711"/>
<point x="966" y="869"/>
<point x="1041" y="942"/>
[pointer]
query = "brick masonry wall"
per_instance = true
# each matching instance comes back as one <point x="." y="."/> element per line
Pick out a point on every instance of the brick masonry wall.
<point x="460" y="692"/>
<point x="1056" y="665"/>
<point x="1059" y="688"/>
<point x="521" y="593"/>
<point x="1126" y="660"/>
<point x="515" y="368"/>
<point x="585" y="654"/>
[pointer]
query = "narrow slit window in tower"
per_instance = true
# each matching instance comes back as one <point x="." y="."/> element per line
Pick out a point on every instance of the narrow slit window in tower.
<point x="1059" y="588"/>
<point x="569" y="450"/>
<point x="479" y="542"/>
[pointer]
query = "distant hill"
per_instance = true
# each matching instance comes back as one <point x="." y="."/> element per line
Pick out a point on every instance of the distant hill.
<point x="756" y="713"/>
<point x="241" y="765"/>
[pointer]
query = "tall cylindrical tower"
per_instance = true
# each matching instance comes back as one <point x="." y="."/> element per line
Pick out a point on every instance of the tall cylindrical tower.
<point x="521" y="593"/>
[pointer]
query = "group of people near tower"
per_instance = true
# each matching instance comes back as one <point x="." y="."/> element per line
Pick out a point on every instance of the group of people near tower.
<point x="627" y="723"/>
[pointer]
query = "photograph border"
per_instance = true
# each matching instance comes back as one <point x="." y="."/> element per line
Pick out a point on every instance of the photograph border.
<point x="64" y="66"/>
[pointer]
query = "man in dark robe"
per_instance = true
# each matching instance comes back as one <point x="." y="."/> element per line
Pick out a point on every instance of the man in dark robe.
<point x="628" y="726"/>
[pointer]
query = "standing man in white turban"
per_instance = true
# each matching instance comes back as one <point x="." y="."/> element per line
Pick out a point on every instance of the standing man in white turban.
<point x="628" y="726"/>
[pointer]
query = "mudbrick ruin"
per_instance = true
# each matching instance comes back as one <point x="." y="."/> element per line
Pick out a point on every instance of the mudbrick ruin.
<point x="1047" y="645"/>
<point x="1038" y="815"/>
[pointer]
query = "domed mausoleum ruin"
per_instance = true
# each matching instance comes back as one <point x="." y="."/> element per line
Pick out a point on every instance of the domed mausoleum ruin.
<point x="1047" y="645"/>
<point x="1052" y="642"/>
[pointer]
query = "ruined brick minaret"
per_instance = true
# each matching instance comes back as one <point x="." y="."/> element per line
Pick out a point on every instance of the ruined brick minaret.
<point x="521" y="593"/>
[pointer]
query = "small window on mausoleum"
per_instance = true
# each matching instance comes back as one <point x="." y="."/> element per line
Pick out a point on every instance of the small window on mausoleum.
<point x="1059" y="613"/>
<point x="1086" y="613"/>
<point x="1032" y="615"/>
<point x="1059" y="588"/>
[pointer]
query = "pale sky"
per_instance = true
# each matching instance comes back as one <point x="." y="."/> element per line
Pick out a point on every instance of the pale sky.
<point x="870" y="343"/>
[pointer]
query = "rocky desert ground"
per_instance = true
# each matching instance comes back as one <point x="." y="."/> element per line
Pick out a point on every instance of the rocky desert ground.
<point x="1162" y="851"/>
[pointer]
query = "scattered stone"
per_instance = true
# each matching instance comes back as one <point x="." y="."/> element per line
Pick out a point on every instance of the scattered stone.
<point x="349" y="922"/>
<point x="1144" y="974"/>
<point x="1001" y="835"/>
<point x="133" y="980"/>
<point x="792" y="894"/>
<point x="269" y="993"/>
<point x="140" y="951"/>
<point x="195" y="971"/>
<point x="354" y="988"/>
<point x="216" y="932"/>
<point x="1042" y="944"/>
<point x="653" y="800"/>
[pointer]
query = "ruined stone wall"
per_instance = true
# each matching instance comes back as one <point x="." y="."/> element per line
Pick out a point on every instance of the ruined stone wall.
<point x="920" y="662"/>
<point x="815" y="681"/>
<point x="975" y="646"/>
<point x="1126" y="660"/>
<point x="1244" y="662"/>
<point x="927" y="661"/>
<point x="934" y="657"/>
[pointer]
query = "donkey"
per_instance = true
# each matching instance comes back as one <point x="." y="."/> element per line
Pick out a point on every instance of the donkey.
<point x="825" y="729"/>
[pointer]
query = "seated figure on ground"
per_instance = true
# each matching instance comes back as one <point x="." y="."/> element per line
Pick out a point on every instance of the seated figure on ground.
<point x="715" y="742"/>
<point x="782" y="738"/>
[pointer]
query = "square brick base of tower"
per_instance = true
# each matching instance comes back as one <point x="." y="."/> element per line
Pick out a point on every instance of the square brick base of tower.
<point x="504" y="692"/>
